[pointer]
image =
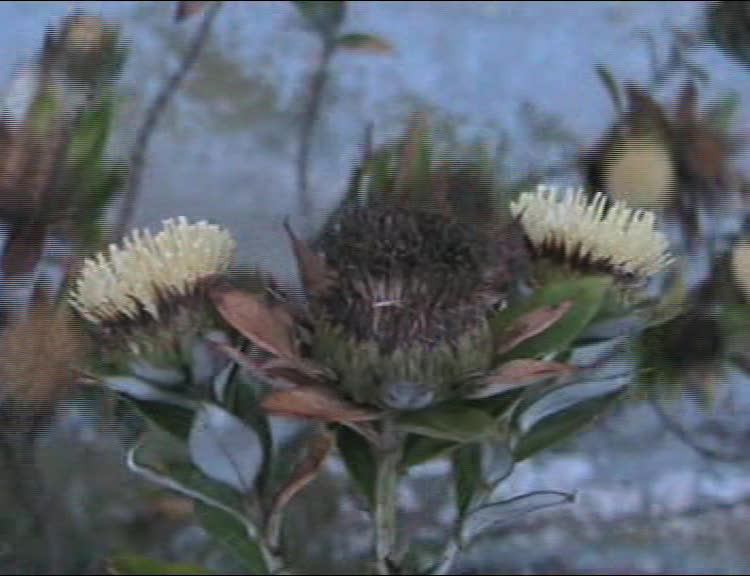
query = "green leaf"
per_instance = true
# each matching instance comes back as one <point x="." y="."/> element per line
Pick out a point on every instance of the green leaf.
<point x="225" y="448"/>
<point x="243" y="403"/>
<point x="497" y="406"/>
<point x="587" y="295"/>
<point x="610" y="84"/>
<point x="453" y="422"/>
<point x="673" y="303"/>
<point x="173" y="419"/>
<point x="467" y="475"/>
<point x="421" y="449"/>
<point x="365" y="43"/>
<point x="89" y="140"/>
<point x="132" y="564"/>
<point x="500" y="514"/>
<point x="359" y="460"/>
<point x="735" y="322"/>
<point x="724" y="111"/>
<point x="560" y="426"/>
<point x="184" y="478"/>
<point x="497" y="461"/>
<point x="139" y="389"/>
<point x="323" y="16"/>
<point x="232" y="534"/>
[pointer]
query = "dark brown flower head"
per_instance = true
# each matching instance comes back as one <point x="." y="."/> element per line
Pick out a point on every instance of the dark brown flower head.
<point x="405" y="277"/>
<point x="399" y="302"/>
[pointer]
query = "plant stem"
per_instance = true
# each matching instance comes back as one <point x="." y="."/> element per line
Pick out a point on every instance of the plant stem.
<point x="386" y="500"/>
<point x="153" y="115"/>
<point x="309" y="118"/>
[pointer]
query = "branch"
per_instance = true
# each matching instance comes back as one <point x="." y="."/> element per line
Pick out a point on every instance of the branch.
<point x="685" y="437"/>
<point x="153" y="114"/>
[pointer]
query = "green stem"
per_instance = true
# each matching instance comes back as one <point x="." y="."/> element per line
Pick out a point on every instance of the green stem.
<point x="386" y="500"/>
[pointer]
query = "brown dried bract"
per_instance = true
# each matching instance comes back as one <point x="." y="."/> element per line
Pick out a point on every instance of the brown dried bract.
<point x="519" y="373"/>
<point x="532" y="324"/>
<point x="316" y="403"/>
<point x="317" y="277"/>
<point x="269" y="327"/>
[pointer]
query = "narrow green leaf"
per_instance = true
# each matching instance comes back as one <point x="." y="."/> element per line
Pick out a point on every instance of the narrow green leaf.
<point x="359" y="460"/>
<point x="496" y="406"/>
<point x="587" y="295"/>
<point x="501" y="514"/>
<point x="132" y="564"/>
<point x="186" y="479"/>
<point x="453" y="422"/>
<point x="173" y="419"/>
<point x="232" y="534"/>
<point x="611" y="86"/>
<point x="421" y="449"/>
<point x="89" y="140"/>
<point x="243" y="403"/>
<point x="558" y="427"/>
<point x="139" y="389"/>
<point x="467" y="475"/>
<point x="364" y="43"/>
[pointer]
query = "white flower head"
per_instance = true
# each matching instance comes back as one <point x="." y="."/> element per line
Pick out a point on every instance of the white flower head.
<point x="622" y="239"/>
<point x="135" y="278"/>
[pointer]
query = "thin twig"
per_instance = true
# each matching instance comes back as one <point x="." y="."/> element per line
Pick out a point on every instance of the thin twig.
<point x="153" y="115"/>
<point x="309" y="119"/>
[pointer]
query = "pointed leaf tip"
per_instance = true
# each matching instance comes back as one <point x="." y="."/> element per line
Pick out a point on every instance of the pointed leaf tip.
<point x="268" y="327"/>
<point x="317" y="451"/>
<point x="364" y="43"/>
<point x="316" y="403"/>
<point x="317" y="277"/>
<point x="225" y="448"/>
<point x="519" y="373"/>
<point x="533" y="324"/>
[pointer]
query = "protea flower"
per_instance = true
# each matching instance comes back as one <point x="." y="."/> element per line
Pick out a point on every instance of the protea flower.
<point x="676" y="162"/>
<point x="429" y="309"/>
<point x="410" y="280"/>
<point x="590" y="233"/>
<point x="154" y="283"/>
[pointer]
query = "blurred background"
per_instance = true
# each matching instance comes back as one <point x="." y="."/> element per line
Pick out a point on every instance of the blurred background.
<point x="239" y="113"/>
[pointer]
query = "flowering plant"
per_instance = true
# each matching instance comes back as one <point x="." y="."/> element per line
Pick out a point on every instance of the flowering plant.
<point x="436" y="320"/>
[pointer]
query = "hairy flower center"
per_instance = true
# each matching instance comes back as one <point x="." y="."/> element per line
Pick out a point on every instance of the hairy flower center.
<point x="406" y="277"/>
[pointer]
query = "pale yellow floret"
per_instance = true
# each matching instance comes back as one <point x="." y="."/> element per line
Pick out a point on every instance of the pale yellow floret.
<point x="130" y="278"/>
<point x="625" y="239"/>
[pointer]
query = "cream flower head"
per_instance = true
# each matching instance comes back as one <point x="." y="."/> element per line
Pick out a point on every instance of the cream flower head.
<point x="136" y="278"/>
<point x="741" y="267"/>
<point x="624" y="240"/>
<point x="641" y="172"/>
